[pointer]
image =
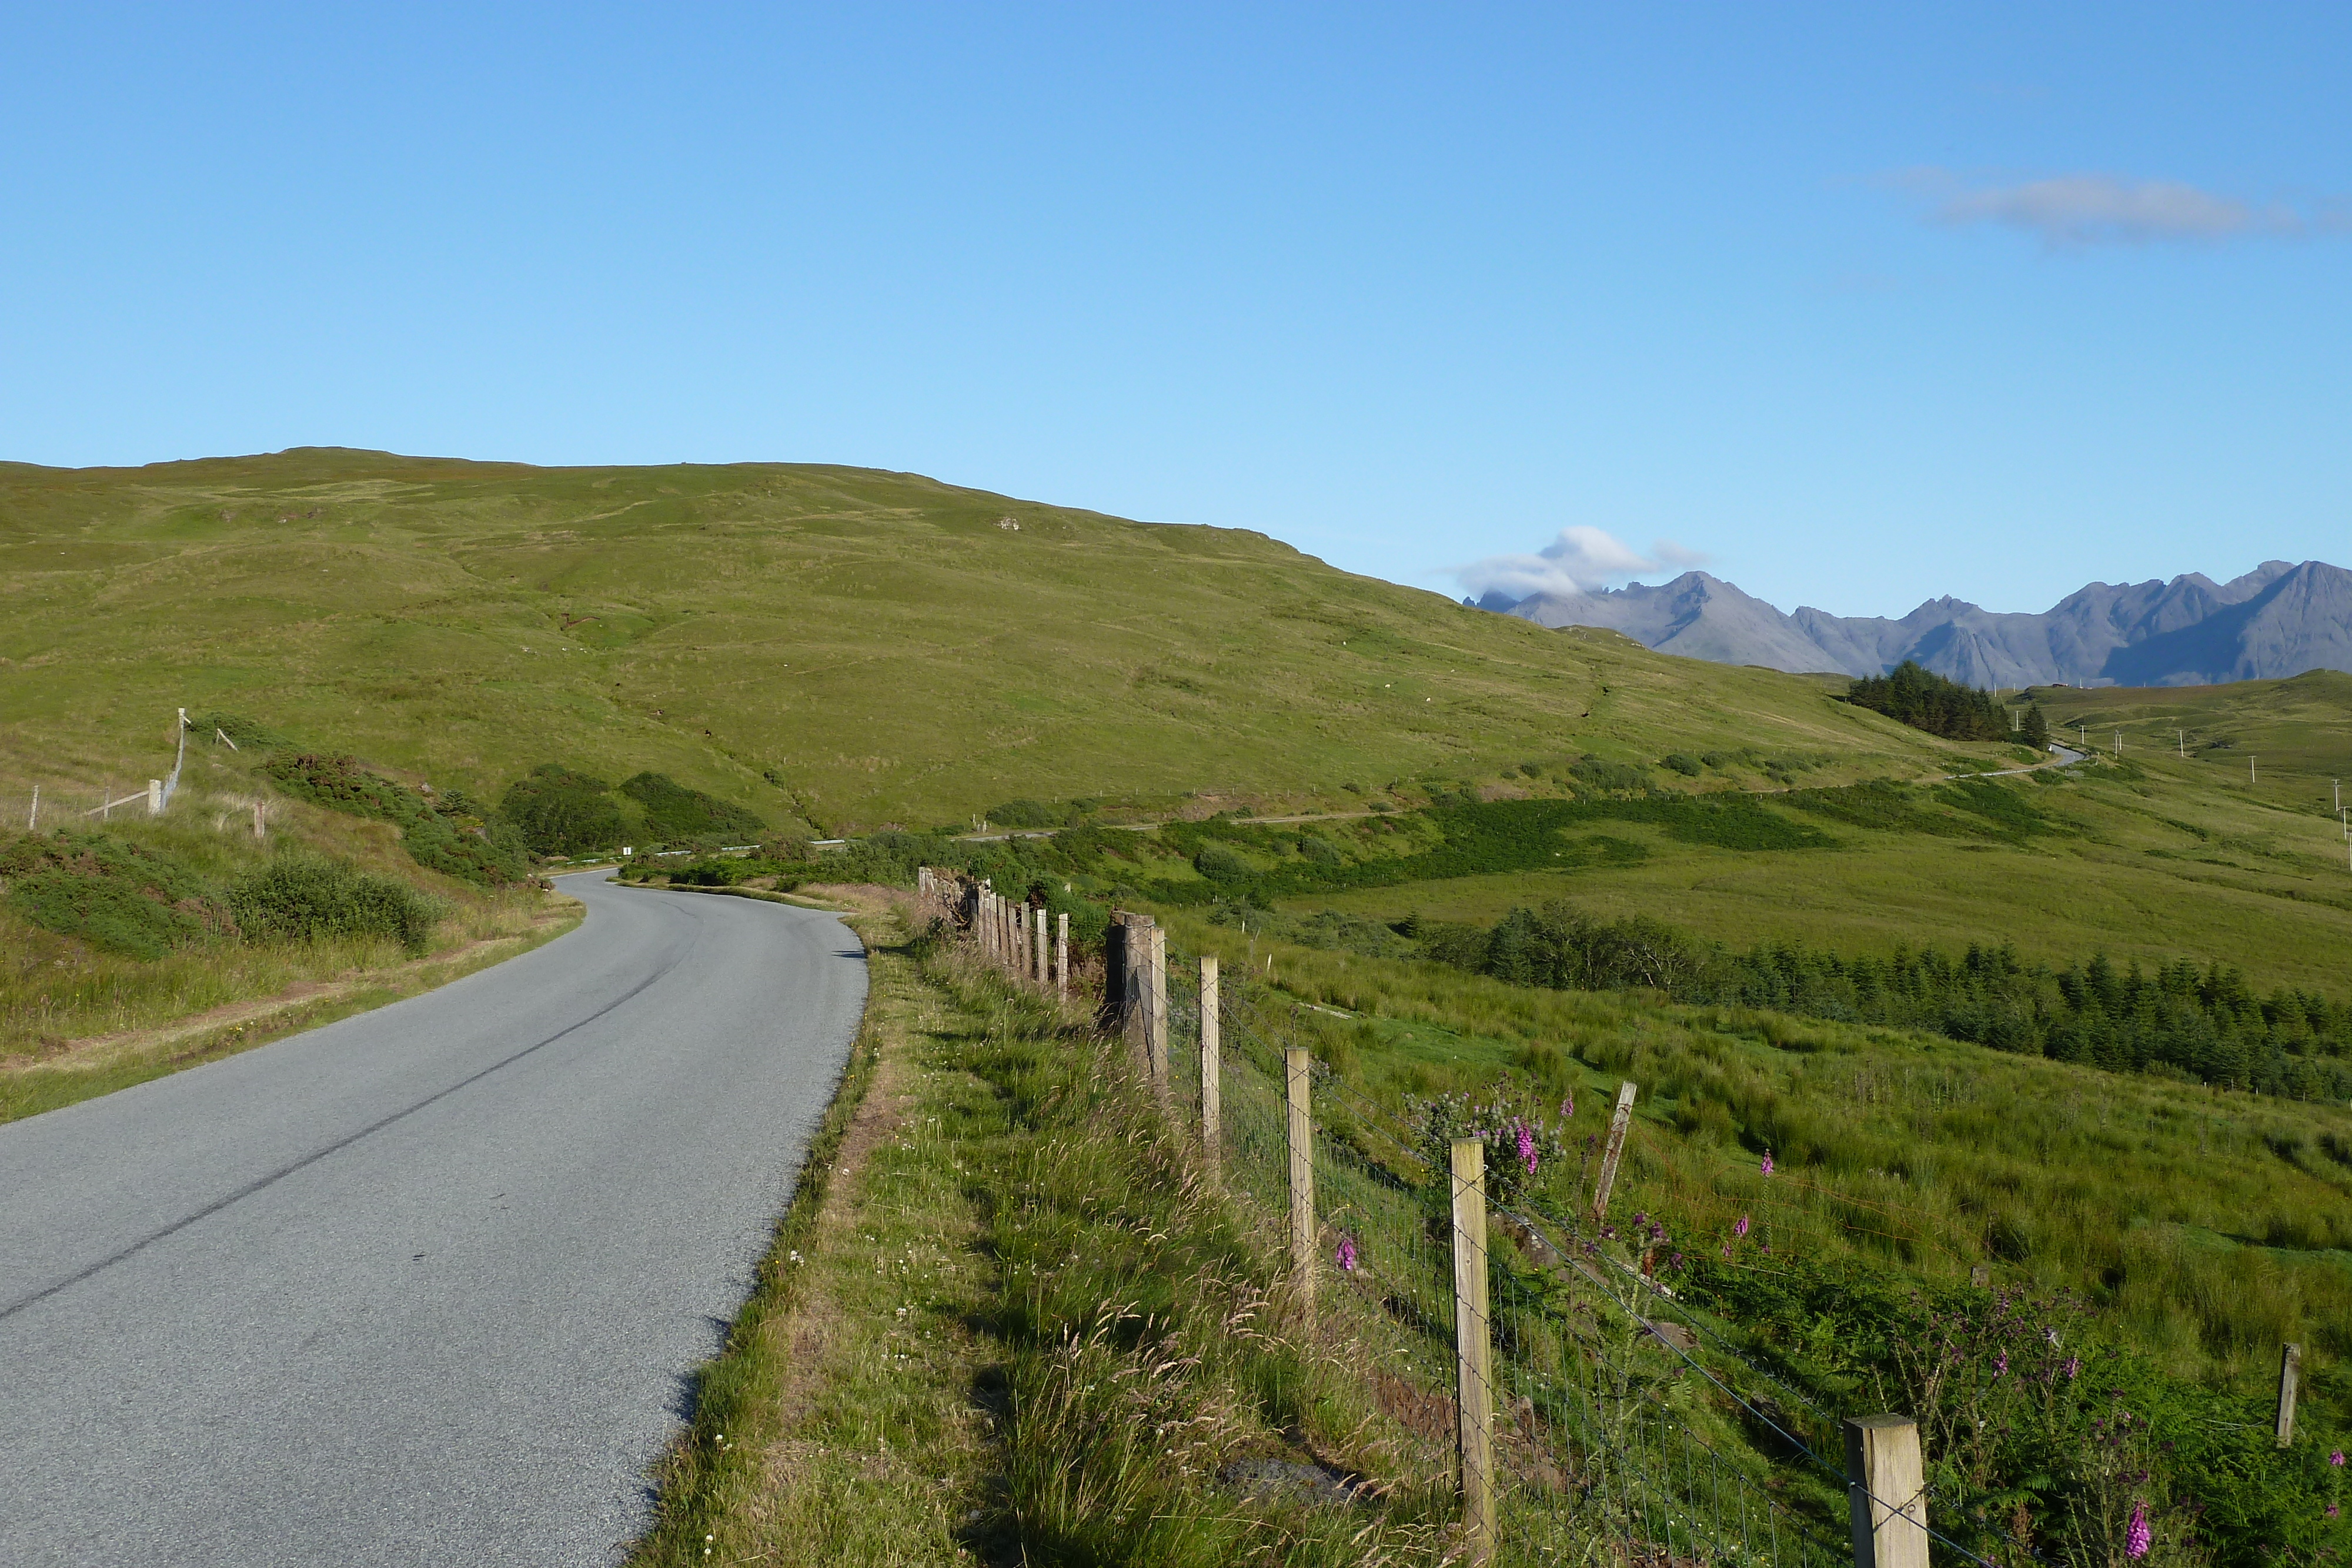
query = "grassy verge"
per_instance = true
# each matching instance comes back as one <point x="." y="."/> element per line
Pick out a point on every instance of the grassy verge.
<point x="1005" y="1321"/>
<point x="316" y="985"/>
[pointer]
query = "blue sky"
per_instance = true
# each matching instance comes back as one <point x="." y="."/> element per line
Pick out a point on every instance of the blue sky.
<point x="1861" y="305"/>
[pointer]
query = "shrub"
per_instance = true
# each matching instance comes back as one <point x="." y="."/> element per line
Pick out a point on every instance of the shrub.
<point x="449" y="832"/>
<point x="1597" y="773"/>
<point x="561" y="813"/>
<point x="111" y="893"/>
<point x="1220" y="863"/>
<point x="1025" y="814"/>
<point x="301" y="897"/>
<point x="680" y="815"/>
<point x="1688" y="766"/>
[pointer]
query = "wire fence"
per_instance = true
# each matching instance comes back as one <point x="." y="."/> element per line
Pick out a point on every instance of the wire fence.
<point x="1592" y="1413"/>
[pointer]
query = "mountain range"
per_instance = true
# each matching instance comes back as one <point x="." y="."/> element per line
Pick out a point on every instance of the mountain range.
<point x="2276" y="621"/>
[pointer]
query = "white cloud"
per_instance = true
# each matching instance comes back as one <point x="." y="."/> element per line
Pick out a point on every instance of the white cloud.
<point x="1581" y="559"/>
<point x="2068" y="211"/>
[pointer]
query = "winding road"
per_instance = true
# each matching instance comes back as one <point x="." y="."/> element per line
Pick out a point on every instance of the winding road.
<point x="424" y="1285"/>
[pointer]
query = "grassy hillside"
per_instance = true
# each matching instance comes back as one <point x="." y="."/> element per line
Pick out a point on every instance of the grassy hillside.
<point x="2294" y="730"/>
<point x="832" y="646"/>
<point x="2151" y="859"/>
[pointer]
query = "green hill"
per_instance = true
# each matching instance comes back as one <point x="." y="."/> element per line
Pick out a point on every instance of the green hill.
<point x="834" y="646"/>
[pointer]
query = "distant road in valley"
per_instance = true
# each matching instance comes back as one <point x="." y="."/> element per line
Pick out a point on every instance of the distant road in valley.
<point x="425" y="1285"/>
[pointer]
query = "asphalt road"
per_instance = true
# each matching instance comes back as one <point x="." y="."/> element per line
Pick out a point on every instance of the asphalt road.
<point x="425" y="1285"/>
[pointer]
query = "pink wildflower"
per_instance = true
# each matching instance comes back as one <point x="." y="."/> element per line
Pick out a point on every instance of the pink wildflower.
<point x="1568" y="1109"/>
<point x="2074" y="1366"/>
<point x="1527" y="1147"/>
<point x="1767" y="1162"/>
<point x="2001" y="1365"/>
<point x="2337" y="1459"/>
<point x="1740" y="1228"/>
<point x="1347" y="1253"/>
<point x="2136" y="1537"/>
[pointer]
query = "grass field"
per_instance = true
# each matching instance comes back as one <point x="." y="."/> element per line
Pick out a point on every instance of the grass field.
<point x="2154" y="859"/>
<point x="2211" y="1226"/>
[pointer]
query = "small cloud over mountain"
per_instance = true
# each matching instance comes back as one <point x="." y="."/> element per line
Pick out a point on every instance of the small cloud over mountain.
<point x="1580" y="559"/>
<point x="2072" y="211"/>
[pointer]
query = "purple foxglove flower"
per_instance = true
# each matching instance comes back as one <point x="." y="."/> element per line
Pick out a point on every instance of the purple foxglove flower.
<point x="1347" y="1253"/>
<point x="1767" y="1162"/>
<point x="1740" y="1228"/>
<point x="1527" y="1148"/>
<point x="2136" y="1537"/>
<point x="2337" y="1459"/>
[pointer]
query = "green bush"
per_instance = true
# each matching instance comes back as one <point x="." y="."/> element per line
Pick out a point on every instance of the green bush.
<point x="302" y="897"/>
<point x="1219" y="864"/>
<point x="1024" y="814"/>
<point x="448" y="833"/>
<point x="1688" y="766"/>
<point x="111" y="893"/>
<point x="679" y="815"/>
<point x="561" y="813"/>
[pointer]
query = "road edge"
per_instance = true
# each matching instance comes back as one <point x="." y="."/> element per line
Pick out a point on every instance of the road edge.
<point x="701" y="1466"/>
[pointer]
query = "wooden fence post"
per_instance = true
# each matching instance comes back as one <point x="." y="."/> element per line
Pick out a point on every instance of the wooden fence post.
<point x="1212" y="1070"/>
<point x="1155" y="1009"/>
<point x="154" y="797"/>
<point x="1061" y="957"/>
<point x="1887" y="1492"/>
<point x="1474" y="1348"/>
<point x="1618" y="1125"/>
<point x="257" y="818"/>
<point x="1116" y="948"/>
<point x="1298" y="1075"/>
<point x="2290" y="1375"/>
<point x="1037" y="951"/>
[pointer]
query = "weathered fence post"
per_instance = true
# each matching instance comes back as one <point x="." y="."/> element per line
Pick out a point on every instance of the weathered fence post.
<point x="33" y="823"/>
<point x="1298" y="1068"/>
<point x="1213" y="1088"/>
<point x="1887" y="1491"/>
<point x="1474" y="1348"/>
<point x="154" y="797"/>
<point x="2290" y="1375"/>
<point x="1061" y="957"/>
<point x="1037" y="952"/>
<point x="257" y="818"/>
<point x="1116" y="948"/>
<point x="1155" y="1010"/>
<point x="1618" y="1125"/>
